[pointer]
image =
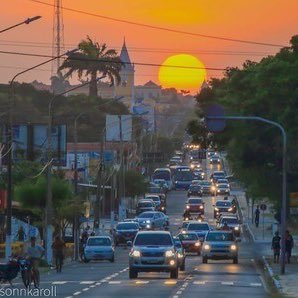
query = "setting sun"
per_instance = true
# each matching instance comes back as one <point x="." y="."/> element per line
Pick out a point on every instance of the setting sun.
<point x="179" y="77"/>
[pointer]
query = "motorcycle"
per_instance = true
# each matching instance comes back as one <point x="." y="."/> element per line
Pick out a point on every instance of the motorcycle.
<point x="9" y="271"/>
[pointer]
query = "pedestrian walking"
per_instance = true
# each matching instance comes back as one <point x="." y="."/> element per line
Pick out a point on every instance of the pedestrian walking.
<point x="58" y="252"/>
<point x="21" y="234"/>
<point x="257" y="216"/>
<point x="289" y="244"/>
<point x="275" y="246"/>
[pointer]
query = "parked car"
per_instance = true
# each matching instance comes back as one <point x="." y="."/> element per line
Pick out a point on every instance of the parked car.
<point x="125" y="231"/>
<point x="152" y="220"/>
<point x="220" y="245"/>
<point x="153" y="251"/>
<point x="99" y="248"/>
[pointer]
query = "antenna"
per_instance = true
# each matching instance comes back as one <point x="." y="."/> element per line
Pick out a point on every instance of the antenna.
<point x="58" y="36"/>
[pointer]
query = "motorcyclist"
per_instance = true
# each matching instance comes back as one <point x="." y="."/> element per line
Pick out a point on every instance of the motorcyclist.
<point x="35" y="252"/>
<point x="187" y="214"/>
<point x="225" y="227"/>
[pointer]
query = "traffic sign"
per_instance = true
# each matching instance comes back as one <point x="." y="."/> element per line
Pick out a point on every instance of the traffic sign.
<point x="213" y="124"/>
<point x="263" y="207"/>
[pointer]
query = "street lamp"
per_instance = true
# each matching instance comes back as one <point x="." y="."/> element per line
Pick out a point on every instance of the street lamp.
<point x="49" y="200"/>
<point x="9" y="145"/>
<point x="26" y="22"/>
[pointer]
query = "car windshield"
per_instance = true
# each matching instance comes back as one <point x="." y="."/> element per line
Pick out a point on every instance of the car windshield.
<point x="223" y="204"/>
<point x="205" y="183"/>
<point x="219" y="237"/>
<point x="154" y="239"/>
<point x="198" y="227"/>
<point x="194" y="188"/>
<point x="222" y="181"/>
<point x="229" y="220"/>
<point x="222" y="186"/>
<point x="195" y="201"/>
<point x="188" y="236"/>
<point x="127" y="226"/>
<point x="146" y="215"/>
<point x="155" y="199"/>
<point x="99" y="242"/>
<point x="145" y="204"/>
<point x="154" y="189"/>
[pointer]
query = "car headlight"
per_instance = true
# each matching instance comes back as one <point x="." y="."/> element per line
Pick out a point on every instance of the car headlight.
<point x="206" y="246"/>
<point x="213" y="188"/>
<point x="216" y="209"/>
<point x="162" y="208"/>
<point x="187" y="206"/>
<point x="148" y="226"/>
<point x="236" y="228"/>
<point x="186" y="218"/>
<point x="148" y="221"/>
<point x="169" y="253"/>
<point x="198" y="243"/>
<point x="180" y="255"/>
<point x="201" y="207"/>
<point x="230" y="209"/>
<point x="233" y="247"/>
<point x="136" y="253"/>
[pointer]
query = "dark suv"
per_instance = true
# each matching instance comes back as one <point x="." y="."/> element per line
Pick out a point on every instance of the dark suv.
<point x="125" y="231"/>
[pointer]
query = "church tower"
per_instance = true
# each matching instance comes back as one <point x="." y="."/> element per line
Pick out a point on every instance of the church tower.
<point x="127" y="73"/>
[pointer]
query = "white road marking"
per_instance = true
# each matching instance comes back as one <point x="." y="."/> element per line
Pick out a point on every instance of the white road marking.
<point x="68" y="297"/>
<point x="227" y="283"/>
<point x="59" y="282"/>
<point x="197" y="282"/>
<point x="139" y="282"/>
<point x="87" y="282"/>
<point x="98" y="284"/>
<point x="179" y="292"/>
<point x="77" y="293"/>
<point x="255" y="284"/>
<point x="92" y="286"/>
<point x="86" y="289"/>
<point x="115" y="282"/>
<point x="176" y="296"/>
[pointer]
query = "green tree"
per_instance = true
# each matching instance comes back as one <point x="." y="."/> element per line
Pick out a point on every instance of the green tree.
<point x="135" y="183"/>
<point x="92" y="60"/>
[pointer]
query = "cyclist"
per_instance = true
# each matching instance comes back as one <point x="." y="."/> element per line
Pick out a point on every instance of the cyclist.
<point x="35" y="252"/>
<point x="58" y="246"/>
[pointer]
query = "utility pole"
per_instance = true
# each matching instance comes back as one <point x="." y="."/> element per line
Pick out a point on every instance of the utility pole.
<point x="121" y="178"/>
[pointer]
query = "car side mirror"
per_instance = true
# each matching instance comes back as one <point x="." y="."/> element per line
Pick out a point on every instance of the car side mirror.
<point x="129" y="243"/>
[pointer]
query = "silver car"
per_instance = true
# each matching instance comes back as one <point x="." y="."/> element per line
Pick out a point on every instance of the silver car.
<point x="220" y="245"/>
<point x="152" y="220"/>
<point x="99" y="248"/>
<point x="153" y="251"/>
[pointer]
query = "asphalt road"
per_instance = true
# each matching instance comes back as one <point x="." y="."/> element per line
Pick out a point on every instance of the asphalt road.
<point x="215" y="279"/>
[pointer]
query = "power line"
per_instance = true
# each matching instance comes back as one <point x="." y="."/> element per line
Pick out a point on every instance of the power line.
<point x="162" y="28"/>
<point x="107" y="61"/>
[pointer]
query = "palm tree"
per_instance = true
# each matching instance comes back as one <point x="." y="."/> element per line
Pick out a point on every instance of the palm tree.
<point x="93" y="59"/>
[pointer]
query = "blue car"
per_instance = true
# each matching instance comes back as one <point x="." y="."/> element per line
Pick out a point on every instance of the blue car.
<point x="99" y="248"/>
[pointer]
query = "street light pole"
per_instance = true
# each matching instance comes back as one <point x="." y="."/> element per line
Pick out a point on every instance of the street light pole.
<point x="26" y="22"/>
<point x="284" y="176"/>
<point x="10" y="151"/>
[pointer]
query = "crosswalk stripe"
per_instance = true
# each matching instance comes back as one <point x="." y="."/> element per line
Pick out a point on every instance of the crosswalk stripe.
<point x="255" y="284"/>
<point x="115" y="282"/>
<point x="199" y="282"/>
<point x="87" y="282"/>
<point x="59" y="282"/>
<point x="140" y="282"/>
<point x="227" y="283"/>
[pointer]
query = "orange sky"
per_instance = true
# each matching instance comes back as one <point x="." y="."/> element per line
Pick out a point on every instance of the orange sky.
<point x="272" y="21"/>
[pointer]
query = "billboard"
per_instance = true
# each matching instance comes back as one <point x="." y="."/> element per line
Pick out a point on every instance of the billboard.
<point x="115" y="123"/>
<point x="30" y="143"/>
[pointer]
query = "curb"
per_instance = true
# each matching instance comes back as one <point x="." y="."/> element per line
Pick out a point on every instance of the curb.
<point x="275" y="282"/>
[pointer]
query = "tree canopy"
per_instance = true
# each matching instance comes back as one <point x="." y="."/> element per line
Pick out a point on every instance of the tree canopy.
<point x="267" y="89"/>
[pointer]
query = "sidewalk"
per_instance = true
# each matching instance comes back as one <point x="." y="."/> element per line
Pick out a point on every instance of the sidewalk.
<point x="287" y="284"/>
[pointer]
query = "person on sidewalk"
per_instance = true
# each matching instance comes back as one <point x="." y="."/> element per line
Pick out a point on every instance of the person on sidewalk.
<point x="257" y="216"/>
<point x="276" y="247"/>
<point x="58" y="252"/>
<point x="21" y="234"/>
<point x="289" y="244"/>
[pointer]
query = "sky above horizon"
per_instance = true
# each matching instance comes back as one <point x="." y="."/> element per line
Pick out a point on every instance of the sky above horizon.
<point x="261" y="21"/>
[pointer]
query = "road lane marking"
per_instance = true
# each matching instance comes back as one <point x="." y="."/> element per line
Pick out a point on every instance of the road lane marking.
<point x="98" y="284"/>
<point x="255" y="284"/>
<point x="87" y="282"/>
<point x="197" y="282"/>
<point x="179" y="292"/>
<point x="140" y="282"/>
<point x="86" y="289"/>
<point x="170" y="282"/>
<point x="77" y="293"/>
<point x="115" y="282"/>
<point x="92" y="286"/>
<point x="227" y="283"/>
<point x="59" y="282"/>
